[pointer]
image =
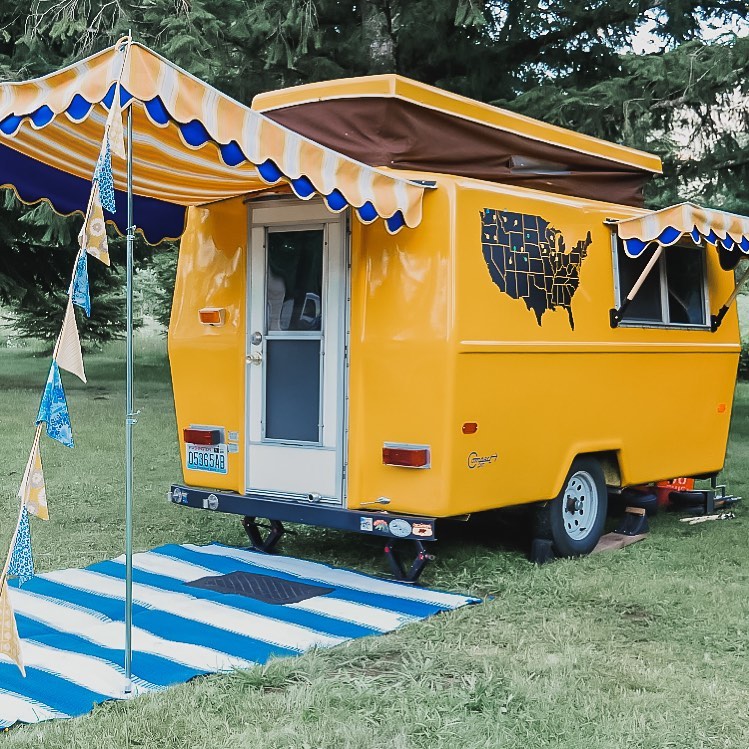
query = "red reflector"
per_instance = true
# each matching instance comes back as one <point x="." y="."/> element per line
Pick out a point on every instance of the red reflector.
<point x="202" y="436"/>
<point x="408" y="457"/>
<point x="470" y="427"/>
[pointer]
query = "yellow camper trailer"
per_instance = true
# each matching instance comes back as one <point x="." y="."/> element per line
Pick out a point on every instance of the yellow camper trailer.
<point x="538" y="336"/>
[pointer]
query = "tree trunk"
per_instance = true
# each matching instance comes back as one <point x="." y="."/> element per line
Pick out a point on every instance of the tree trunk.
<point x="378" y="36"/>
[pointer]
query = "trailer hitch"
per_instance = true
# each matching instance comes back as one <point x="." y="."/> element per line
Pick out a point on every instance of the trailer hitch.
<point x="412" y="574"/>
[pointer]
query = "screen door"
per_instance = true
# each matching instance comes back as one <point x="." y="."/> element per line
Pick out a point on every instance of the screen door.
<point x="295" y="352"/>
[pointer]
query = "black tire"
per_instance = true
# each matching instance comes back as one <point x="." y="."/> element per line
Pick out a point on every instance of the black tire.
<point x="688" y="499"/>
<point x="583" y="498"/>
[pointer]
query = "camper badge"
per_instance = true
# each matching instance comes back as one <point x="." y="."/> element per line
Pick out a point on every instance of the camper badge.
<point x="478" y="461"/>
<point x="400" y="527"/>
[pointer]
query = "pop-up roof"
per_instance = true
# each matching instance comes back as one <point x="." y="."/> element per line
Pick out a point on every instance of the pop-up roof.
<point x="391" y="121"/>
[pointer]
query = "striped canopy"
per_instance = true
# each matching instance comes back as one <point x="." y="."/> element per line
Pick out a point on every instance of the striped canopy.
<point x="668" y="225"/>
<point x="192" y="145"/>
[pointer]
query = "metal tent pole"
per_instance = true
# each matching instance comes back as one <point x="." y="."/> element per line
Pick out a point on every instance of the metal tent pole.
<point x="130" y="419"/>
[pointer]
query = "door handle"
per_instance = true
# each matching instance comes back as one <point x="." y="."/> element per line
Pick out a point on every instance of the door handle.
<point x="256" y="357"/>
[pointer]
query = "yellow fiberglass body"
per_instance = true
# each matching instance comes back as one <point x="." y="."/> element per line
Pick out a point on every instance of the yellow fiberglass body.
<point x="483" y="338"/>
<point x="436" y="344"/>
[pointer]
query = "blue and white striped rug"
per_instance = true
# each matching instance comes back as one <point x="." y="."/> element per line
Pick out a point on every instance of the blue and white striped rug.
<point x="71" y="624"/>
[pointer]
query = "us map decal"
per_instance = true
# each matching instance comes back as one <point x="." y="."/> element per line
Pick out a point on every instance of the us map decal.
<point x="527" y="259"/>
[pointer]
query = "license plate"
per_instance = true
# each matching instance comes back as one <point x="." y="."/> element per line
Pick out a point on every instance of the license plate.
<point x="208" y="458"/>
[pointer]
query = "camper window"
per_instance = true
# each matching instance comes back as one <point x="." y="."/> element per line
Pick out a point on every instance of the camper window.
<point x="674" y="292"/>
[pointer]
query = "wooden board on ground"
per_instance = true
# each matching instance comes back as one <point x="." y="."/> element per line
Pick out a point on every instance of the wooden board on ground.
<point x="614" y="541"/>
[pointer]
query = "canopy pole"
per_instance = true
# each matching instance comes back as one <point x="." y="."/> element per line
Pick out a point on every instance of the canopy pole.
<point x="130" y="419"/>
<point x="716" y="320"/>
<point x="615" y="314"/>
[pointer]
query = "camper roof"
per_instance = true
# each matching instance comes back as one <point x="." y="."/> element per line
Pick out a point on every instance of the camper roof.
<point x="391" y="121"/>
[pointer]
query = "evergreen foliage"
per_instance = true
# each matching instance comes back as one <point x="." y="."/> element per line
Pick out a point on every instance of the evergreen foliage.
<point x="565" y="62"/>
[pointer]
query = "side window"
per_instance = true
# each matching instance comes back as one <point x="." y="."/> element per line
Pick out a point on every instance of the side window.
<point x="685" y="282"/>
<point x="674" y="292"/>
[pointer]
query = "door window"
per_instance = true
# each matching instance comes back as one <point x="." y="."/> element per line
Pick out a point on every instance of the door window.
<point x="294" y="283"/>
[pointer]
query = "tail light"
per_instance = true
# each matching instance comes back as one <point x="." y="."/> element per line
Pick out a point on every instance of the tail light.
<point x="407" y="456"/>
<point x="202" y="436"/>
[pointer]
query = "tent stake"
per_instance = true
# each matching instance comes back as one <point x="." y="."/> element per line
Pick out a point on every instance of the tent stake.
<point x="130" y="419"/>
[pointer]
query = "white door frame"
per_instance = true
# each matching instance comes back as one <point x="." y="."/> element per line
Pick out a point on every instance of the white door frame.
<point x="325" y="460"/>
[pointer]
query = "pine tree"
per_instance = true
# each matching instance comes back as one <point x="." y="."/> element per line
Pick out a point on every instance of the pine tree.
<point x="564" y="62"/>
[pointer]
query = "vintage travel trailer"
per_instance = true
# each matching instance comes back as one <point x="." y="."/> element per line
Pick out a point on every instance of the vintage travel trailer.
<point x="538" y="336"/>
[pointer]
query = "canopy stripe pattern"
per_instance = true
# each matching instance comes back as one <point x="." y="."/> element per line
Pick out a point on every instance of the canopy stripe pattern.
<point x="193" y="145"/>
<point x="668" y="225"/>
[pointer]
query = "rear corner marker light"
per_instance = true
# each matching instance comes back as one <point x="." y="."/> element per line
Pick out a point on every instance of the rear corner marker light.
<point x="407" y="456"/>
<point x="470" y="427"/>
<point x="212" y="316"/>
<point x="202" y="436"/>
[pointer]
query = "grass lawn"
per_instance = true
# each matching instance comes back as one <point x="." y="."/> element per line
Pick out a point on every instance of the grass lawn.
<point x="645" y="647"/>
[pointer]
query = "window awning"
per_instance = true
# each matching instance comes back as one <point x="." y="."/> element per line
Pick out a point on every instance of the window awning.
<point x="667" y="226"/>
<point x="192" y="145"/>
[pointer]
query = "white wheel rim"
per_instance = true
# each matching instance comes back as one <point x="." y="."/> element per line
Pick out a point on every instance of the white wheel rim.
<point x="580" y="505"/>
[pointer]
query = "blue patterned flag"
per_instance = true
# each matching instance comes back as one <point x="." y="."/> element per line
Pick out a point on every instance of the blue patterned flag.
<point x="81" y="296"/>
<point x="53" y="410"/>
<point x="103" y="176"/>
<point x="21" y="558"/>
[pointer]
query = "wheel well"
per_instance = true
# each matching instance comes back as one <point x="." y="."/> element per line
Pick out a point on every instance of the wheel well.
<point x="609" y="461"/>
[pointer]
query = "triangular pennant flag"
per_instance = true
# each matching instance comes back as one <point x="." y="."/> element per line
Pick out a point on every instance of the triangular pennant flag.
<point x="80" y="295"/>
<point x="21" y="558"/>
<point x="10" y="642"/>
<point x="53" y="410"/>
<point x="115" y="132"/>
<point x="33" y="492"/>
<point x="93" y="236"/>
<point x="69" y="355"/>
<point x="103" y="177"/>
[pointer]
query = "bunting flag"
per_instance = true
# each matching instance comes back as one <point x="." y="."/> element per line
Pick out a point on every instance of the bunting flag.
<point x="80" y="294"/>
<point x="21" y="558"/>
<point x="103" y="176"/>
<point x="10" y="643"/>
<point x="53" y="410"/>
<point x="33" y="492"/>
<point x="115" y="131"/>
<point x="69" y="355"/>
<point x="93" y="236"/>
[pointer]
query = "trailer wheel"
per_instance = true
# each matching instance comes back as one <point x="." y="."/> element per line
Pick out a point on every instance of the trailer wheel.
<point x="575" y="519"/>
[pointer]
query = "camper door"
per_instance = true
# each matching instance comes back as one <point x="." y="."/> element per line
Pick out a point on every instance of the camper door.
<point x="295" y="351"/>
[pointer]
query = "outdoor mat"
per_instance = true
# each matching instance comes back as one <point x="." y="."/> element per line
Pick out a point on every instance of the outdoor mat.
<point x="71" y="622"/>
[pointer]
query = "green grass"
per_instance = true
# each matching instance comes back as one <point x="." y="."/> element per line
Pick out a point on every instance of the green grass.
<point x="645" y="647"/>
